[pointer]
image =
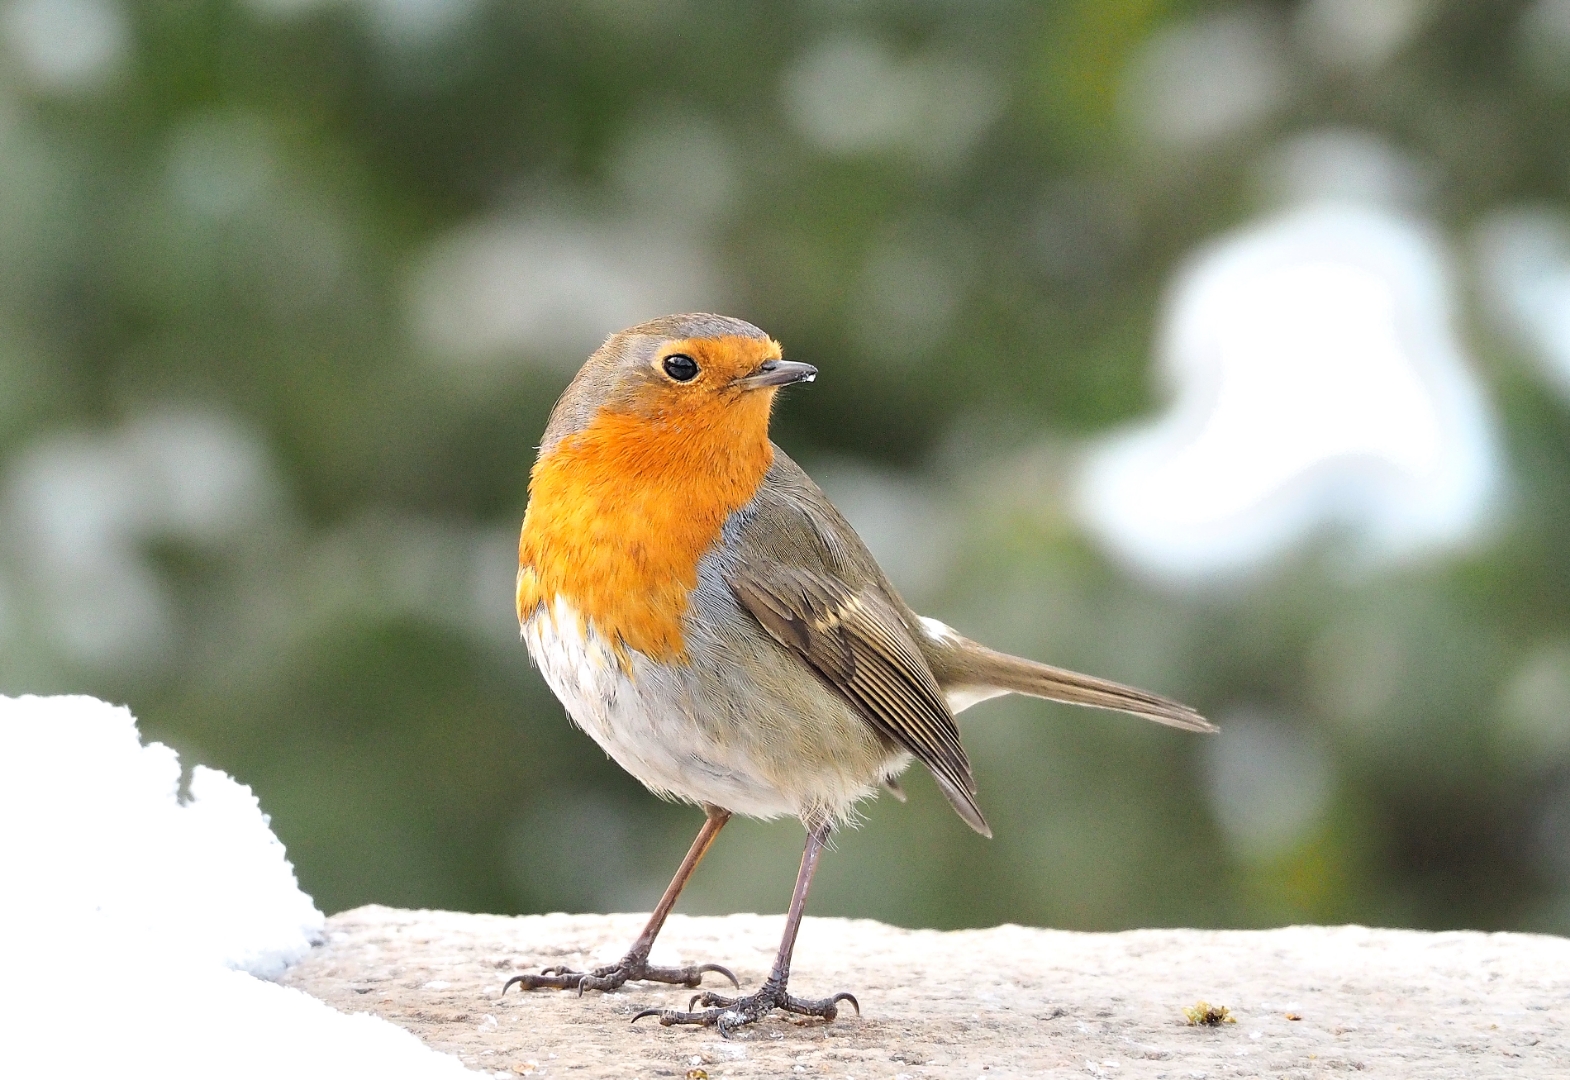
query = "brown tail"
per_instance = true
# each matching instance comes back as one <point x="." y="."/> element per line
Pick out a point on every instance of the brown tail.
<point x="980" y="667"/>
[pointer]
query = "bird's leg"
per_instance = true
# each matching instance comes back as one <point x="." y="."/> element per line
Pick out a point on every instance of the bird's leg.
<point x="635" y="965"/>
<point x="727" y="1014"/>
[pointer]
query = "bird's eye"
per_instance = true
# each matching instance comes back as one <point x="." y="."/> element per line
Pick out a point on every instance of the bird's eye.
<point x="681" y="367"/>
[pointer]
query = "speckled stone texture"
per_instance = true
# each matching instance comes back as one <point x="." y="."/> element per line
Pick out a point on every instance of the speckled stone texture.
<point x="1004" y="1002"/>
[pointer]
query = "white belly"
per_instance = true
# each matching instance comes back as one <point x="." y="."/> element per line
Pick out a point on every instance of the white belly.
<point x="643" y="718"/>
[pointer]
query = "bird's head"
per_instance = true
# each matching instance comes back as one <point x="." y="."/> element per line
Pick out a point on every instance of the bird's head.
<point x="661" y="437"/>
<point x="694" y="373"/>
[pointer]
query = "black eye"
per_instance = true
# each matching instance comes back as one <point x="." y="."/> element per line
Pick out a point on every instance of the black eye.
<point x="681" y="367"/>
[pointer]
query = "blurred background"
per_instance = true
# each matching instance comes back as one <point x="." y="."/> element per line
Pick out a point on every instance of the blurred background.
<point x="1222" y="348"/>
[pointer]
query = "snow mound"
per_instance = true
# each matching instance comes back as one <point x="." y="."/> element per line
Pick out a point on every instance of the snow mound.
<point x="138" y="926"/>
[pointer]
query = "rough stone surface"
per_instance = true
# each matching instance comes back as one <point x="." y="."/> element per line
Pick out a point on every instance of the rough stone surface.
<point x="1009" y="1001"/>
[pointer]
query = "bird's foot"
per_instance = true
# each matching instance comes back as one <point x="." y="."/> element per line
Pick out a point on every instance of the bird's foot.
<point x="628" y="969"/>
<point x="726" y="1015"/>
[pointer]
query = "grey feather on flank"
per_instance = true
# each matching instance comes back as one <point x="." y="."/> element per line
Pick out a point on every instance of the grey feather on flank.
<point x="816" y="593"/>
<point x="858" y="642"/>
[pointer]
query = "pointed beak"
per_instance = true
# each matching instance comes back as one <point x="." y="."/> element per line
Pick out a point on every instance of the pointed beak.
<point x="777" y="373"/>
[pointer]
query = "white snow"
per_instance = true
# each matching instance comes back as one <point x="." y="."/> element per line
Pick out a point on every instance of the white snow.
<point x="137" y="928"/>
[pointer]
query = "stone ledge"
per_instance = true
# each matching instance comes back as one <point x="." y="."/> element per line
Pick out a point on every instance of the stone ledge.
<point x="1009" y="1001"/>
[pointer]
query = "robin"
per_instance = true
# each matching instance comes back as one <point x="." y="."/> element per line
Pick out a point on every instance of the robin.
<point x="712" y="621"/>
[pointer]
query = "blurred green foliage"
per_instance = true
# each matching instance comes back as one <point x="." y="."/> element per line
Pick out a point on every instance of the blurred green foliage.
<point x="234" y="215"/>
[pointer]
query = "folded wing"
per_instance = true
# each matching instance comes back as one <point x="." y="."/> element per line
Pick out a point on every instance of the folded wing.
<point x="857" y="642"/>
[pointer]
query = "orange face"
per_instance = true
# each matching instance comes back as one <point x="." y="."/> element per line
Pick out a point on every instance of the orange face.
<point x="721" y="364"/>
<point x="621" y="511"/>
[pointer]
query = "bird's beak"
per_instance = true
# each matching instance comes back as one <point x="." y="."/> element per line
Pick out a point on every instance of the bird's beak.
<point x="777" y="373"/>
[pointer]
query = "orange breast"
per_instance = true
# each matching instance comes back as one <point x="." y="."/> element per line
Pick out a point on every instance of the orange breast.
<point x="620" y="513"/>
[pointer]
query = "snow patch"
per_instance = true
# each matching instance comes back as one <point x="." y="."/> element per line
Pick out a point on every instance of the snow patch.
<point x="140" y="927"/>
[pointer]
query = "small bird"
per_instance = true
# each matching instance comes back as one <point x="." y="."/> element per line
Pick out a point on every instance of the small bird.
<point x="712" y="621"/>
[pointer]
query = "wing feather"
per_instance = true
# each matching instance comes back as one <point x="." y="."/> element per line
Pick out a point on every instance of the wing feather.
<point x="856" y="641"/>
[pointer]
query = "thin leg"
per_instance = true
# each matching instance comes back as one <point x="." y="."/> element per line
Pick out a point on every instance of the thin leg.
<point x="728" y="1014"/>
<point x="798" y="905"/>
<point x="700" y="847"/>
<point x="635" y="965"/>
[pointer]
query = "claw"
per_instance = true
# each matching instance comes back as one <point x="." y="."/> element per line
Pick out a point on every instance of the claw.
<point x="528" y="982"/>
<point x="645" y="1012"/>
<point x="721" y="969"/>
<point x="842" y="996"/>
